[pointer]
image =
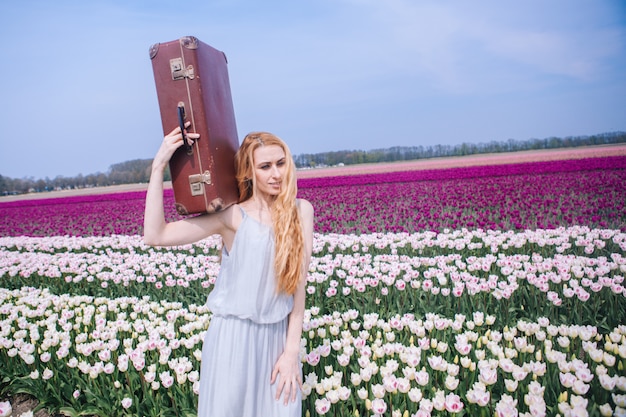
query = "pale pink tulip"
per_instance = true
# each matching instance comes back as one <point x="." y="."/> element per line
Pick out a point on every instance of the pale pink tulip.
<point x="453" y="403"/>
<point x="379" y="406"/>
<point x="322" y="405"/>
<point x="5" y="409"/>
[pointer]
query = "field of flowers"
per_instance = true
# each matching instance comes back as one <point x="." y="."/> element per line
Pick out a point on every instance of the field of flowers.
<point x="470" y="291"/>
<point x="540" y="195"/>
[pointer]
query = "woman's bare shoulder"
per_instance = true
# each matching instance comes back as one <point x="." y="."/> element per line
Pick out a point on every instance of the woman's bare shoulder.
<point x="229" y="218"/>
<point x="306" y="208"/>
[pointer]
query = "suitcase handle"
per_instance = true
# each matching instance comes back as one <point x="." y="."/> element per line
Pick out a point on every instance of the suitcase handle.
<point x="181" y="123"/>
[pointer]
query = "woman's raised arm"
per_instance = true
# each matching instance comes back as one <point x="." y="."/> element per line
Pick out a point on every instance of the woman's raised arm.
<point x="158" y="232"/>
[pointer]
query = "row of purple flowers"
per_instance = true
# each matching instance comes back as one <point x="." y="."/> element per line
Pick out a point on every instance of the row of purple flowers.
<point x="539" y="195"/>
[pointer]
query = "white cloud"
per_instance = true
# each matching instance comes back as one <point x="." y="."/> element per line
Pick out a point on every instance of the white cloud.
<point x="456" y="44"/>
<point x="579" y="55"/>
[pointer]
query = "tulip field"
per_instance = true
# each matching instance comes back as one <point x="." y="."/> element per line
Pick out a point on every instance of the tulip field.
<point x="476" y="291"/>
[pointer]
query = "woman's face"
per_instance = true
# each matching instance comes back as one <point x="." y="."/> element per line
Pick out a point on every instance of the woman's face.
<point x="269" y="169"/>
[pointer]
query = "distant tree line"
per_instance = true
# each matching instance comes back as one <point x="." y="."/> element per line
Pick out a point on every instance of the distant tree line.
<point x="138" y="170"/>
<point x="129" y="172"/>
<point x="409" y="153"/>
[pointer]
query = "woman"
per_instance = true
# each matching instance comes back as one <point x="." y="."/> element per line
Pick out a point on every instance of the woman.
<point x="251" y="352"/>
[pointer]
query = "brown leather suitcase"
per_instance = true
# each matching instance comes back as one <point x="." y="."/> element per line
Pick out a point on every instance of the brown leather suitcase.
<point x="192" y="85"/>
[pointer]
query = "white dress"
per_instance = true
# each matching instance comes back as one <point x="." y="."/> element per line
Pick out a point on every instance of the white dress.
<point x="247" y="331"/>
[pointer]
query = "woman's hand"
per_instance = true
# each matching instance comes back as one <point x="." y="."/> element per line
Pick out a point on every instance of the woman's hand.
<point x="171" y="142"/>
<point x="287" y="371"/>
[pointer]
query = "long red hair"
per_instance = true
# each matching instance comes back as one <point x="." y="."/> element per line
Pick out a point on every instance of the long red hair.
<point x="288" y="235"/>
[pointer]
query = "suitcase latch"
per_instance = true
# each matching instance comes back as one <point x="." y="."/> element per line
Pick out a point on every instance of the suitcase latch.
<point x="197" y="180"/>
<point x="179" y="72"/>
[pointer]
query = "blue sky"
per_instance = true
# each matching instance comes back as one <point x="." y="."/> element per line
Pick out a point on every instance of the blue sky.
<point x="78" y="93"/>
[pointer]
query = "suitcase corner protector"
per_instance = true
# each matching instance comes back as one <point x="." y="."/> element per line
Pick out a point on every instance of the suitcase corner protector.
<point x="154" y="49"/>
